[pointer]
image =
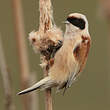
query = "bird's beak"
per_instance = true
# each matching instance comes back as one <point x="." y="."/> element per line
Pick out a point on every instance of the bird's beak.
<point x="65" y="22"/>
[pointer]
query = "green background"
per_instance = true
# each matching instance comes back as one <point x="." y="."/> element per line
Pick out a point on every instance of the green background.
<point x="91" y="91"/>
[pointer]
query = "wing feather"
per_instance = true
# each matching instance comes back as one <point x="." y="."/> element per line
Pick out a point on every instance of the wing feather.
<point x="80" y="53"/>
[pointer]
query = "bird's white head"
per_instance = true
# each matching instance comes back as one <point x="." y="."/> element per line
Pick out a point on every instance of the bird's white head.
<point x="76" y="23"/>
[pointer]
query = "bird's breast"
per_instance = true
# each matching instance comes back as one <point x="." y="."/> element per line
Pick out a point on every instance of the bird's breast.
<point x="64" y="63"/>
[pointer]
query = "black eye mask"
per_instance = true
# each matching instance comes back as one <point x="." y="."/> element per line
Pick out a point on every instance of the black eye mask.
<point x="78" y="22"/>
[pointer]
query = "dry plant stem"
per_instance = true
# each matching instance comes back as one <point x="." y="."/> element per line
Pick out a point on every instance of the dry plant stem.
<point x="9" y="105"/>
<point x="46" y="17"/>
<point x="48" y="99"/>
<point x="48" y="96"/>
<point x="23" y="60"/>
<point x="105" y="7"/>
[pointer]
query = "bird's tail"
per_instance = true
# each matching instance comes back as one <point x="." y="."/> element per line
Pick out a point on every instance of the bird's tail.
<point x="42" y="84"/>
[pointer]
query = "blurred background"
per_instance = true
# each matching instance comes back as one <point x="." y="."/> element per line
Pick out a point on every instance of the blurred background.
<point x="92" y="90"/>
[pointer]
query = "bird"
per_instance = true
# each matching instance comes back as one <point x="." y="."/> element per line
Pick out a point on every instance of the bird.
<point x="69" y="61"/>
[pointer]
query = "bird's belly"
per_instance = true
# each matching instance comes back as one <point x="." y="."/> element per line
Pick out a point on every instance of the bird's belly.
<point x="63" y="66"/>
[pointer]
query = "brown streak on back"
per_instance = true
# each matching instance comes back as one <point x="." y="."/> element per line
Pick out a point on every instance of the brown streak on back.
<point x="76" y="52"/>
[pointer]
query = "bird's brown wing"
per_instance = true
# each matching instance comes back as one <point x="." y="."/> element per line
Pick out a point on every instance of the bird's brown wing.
<point x="80" y="53"/>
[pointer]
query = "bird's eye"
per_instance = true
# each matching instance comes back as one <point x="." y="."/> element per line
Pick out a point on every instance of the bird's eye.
<point x="80" y="23"/>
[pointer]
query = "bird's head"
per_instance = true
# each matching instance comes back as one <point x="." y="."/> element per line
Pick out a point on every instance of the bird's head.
<point x="76" y="22"/>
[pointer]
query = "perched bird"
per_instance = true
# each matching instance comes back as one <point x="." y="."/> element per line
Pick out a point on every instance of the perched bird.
<point x="70" y="59"/>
